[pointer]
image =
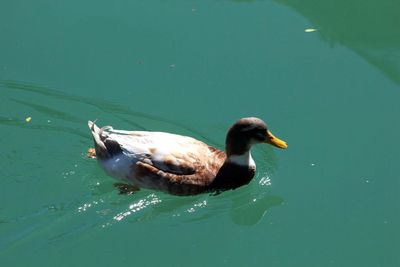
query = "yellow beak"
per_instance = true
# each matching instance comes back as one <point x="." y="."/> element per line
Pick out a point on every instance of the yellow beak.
<point x="275" y="141"/>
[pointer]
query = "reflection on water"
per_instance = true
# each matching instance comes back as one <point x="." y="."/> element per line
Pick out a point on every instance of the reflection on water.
<point x="369" y="29"/>
<point x="246" y="206"/>
<point x="94" y="203"/>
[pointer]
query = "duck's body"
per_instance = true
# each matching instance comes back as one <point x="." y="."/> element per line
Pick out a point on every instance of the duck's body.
<point x="171" y="163"/>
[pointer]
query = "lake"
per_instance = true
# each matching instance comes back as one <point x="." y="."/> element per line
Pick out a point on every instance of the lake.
<point x="324" y="75"/>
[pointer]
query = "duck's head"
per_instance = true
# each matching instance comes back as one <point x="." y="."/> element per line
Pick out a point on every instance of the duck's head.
<point x="247" y="132"/>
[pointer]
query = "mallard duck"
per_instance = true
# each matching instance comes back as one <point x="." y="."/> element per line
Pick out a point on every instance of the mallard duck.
<point x="181" y="165"/>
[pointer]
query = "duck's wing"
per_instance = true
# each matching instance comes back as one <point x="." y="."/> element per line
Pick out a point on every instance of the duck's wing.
<point x="168" y="155"/>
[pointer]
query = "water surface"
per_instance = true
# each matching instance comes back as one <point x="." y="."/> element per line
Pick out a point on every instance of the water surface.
<point x="193" y="68"/>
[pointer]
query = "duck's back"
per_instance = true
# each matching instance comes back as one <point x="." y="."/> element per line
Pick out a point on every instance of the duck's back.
<point x="171" y="153"/>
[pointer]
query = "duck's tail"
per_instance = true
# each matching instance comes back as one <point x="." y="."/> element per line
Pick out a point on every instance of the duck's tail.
<point x="105" y="147"/>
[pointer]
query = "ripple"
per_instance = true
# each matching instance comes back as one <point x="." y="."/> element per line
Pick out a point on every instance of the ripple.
<point x="120" y="112"/>
<point x="139" y="205"/>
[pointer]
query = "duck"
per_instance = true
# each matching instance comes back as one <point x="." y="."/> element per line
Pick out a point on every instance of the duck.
<point x="180" y="165"/>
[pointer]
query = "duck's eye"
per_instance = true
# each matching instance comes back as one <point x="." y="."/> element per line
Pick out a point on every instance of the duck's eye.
<point x="260" y="135"/>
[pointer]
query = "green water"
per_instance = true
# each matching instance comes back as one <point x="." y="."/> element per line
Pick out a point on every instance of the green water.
<point x="193" y="68"/>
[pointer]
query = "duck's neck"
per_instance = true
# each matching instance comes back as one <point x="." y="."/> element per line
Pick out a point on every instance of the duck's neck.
<point x="237" y="170"/>
<point x="243" y="160"/>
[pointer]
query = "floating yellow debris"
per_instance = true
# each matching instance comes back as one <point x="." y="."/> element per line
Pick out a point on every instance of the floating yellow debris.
<point x="28" y="119"/>
<point x="310" y="30"/>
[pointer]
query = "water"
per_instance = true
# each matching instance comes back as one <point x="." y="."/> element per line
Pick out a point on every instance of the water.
<point x="194" y="67"/>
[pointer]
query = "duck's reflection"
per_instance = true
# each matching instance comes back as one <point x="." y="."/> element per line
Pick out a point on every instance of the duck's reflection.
<point x="244" y="206"/>
<point x="242" y="210"/>
<point x="253" y="211"/>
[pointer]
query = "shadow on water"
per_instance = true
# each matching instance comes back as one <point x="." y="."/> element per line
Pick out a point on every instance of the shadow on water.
<point x="367" y="27"/>
<point x="100" y="206"/>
